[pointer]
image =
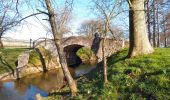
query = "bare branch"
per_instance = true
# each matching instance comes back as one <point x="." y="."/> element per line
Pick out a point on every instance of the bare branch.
<point x="42" y="12"/>
<point x="30" y="16"/>
<point x="129" y="2"/>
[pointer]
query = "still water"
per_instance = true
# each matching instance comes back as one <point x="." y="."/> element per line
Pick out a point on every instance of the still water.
<point x="42" y="83"/>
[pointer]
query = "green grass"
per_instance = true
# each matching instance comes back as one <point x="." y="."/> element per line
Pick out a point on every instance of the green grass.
<point x="139" y="78"/>
<point x="8" y="58"/>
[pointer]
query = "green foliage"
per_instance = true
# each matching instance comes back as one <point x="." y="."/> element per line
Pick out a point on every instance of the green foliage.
<point x="9" y="57"/>
<point x="86" y="55"/>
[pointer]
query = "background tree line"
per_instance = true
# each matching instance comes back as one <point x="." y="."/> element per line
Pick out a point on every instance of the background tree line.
<point x="157" y="12"/>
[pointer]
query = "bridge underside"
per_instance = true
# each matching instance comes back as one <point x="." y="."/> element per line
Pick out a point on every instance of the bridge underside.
<point x="72" y="59"/>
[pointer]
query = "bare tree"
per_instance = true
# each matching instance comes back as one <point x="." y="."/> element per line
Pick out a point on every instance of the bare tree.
<point x="116" y="32"/>
<point x="89" y="27"/>
<point x="8" y="17"/>
<point x="154" y="22"/>
<point x="149" y="6"/>
<point x="58" y="20"/>
<point x="167" y="29"/>
<point x="161" y="9"/>
<point x="106" y="10"/>
<point x="57" y="34"/>
<point x="139" y="42"/>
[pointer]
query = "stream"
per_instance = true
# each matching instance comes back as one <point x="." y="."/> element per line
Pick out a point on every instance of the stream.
<point x="27" y="87"/>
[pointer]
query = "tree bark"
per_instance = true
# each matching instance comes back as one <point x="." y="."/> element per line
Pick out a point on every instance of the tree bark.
<point x="139" y="42"/>
<point x="103" y="51"/>
<point x="154" y="24"/>
<point x="157" y="20"/>
<point x="148" y="20"/>
<point x="164" y="30"/>
<point x="62" y="59"/>
<point x="1" y="43"/>
<point x="165" y="39"/>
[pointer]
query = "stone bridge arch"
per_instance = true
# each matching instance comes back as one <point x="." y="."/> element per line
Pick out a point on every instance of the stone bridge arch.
<point x="70" y="53"/>
<point x="72" y="44"/>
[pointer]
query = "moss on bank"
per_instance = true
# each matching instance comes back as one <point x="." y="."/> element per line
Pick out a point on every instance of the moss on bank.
<point x="34" y="59"/>
<point x="138" y="78"/>
<point x="8" y="57"/>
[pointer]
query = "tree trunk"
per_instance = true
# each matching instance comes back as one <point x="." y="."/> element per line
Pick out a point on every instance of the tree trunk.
<point x="1" y="43"/>
<point x="148" y="20"/>
<point x="103" y="52"/>
<point x="154" y="24"/>
<point x="104" y="61"/>
<point x="157" y="19"/>
<point x="62" y="59"/>
<point x="165" y="40"/>
<point x="164" y="30"/>
<point x="139" y="42"/>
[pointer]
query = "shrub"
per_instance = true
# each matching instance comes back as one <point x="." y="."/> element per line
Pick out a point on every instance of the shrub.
<point x="86" y="55"/>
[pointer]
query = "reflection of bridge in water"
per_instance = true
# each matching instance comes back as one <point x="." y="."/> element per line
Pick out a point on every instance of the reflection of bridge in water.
<point x="72" y="44"/>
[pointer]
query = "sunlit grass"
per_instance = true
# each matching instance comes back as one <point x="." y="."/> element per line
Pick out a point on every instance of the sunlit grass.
<point x="142" y="77"/>
<point x="9" y="57"/>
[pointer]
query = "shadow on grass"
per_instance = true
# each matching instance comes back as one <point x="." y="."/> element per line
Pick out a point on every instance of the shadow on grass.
<point x="114" y="58"/>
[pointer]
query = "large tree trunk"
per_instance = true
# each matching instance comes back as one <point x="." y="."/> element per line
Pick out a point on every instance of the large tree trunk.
<point x="139" y="42"/>
<point x="62" y="59"/>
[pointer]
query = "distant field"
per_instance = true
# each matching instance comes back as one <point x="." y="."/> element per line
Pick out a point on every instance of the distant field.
<point x="15" y="43"/>
<point x="8" y="57"/>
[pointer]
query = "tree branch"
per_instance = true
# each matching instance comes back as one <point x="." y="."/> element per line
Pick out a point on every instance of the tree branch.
<point x="129" y="2"/>
<point x="42" y="12"/>
<point x="30" y="16"/>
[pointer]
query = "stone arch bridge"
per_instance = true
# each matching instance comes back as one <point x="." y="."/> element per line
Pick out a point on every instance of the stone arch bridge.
<point x="72" y="44"/>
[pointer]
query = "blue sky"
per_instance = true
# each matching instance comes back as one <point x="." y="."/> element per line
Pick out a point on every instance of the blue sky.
<point x="34" y="29"/>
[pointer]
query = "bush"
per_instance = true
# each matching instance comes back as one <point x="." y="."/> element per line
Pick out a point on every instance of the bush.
<point x="86" y="55"/>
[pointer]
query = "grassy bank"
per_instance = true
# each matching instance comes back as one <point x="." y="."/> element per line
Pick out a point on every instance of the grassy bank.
<point x="8" y="57"/>
<point x="139" y="78"/>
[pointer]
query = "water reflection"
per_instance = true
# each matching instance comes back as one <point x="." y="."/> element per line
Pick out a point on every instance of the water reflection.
<point x="28" y="87"/>
<point x="83" y="69"/>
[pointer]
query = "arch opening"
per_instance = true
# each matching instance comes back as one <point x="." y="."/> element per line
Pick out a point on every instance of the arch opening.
<point x="72" y="59"/>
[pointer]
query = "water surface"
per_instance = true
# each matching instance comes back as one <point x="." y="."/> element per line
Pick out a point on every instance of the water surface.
<point x="27" y="87"/>
<point x="42" y="83"/>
